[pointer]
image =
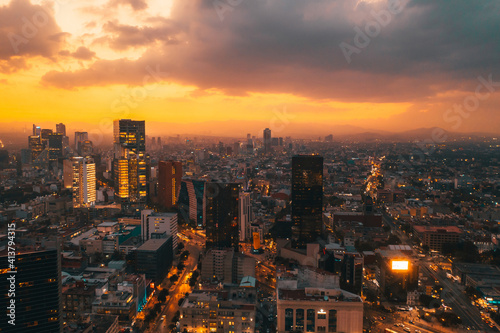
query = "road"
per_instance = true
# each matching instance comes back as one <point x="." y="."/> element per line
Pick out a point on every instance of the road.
<point x="171" y="305"/>
<point x="452" y="294"/>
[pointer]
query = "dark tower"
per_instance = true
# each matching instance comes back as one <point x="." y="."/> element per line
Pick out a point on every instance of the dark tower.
<point x="307" y="199"/>
<point x="221" y="215"/>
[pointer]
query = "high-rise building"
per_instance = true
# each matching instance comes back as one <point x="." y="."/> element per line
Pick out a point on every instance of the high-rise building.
<point x="154" y="258"/>
<point x="245" y="216"/>
<point x="169" y="183"/>
<point x="129" y="136"/>
<point x="44" y="135"/>
<point x="61" y="128"/>
<point x="307" y="199"/>
<point x="35" y="144"/>
<point x="191" y="199"/>
<point x="221" y="215"/>
<point x="130" y="157"/>
<point x="79" y="138"/>
<point x="37" y="296"/>
<point x="84" y="182"/>
<point x="267" y="141"/>
<point x="55" y="146"/>
<point x="159" y="223"/>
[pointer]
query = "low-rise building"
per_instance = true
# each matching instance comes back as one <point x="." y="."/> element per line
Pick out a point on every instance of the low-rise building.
<point x="319" y="310"/>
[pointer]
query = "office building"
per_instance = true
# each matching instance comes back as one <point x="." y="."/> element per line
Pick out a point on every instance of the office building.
<point x="267" y="141"/>
<point x="435" y="236"/>
<point x="231" y="309"/>
<point x="159" y="223"/>
<point x="84" y="182"/>
<point x="169" y="183"/>
<point x="191" y="199"/>
<point x="245" y="216"/>
<point x="226" y="266"/>
<point x="35" y="145"/>
<point x="319" y="310"/>
<point x="397" y="274"/>
<point x="79" y="138"/>
<point x="129" y="136"/>
<point x="154" y="258"/>
<point x="307" y="199"/>
<point x="221" y="215"/>
<point x="130" y="163"/>
<point x="38" y="297"/>
<point x="351" y="275"/>
<point x="61" y="128"/>
<point x="55" y="146"/>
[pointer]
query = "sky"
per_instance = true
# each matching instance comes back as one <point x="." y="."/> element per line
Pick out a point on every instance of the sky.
<point x="231" y="67"/>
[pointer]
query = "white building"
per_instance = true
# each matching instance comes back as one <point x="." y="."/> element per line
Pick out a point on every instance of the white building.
<point x="84" y="182"/>
<point x="159" y="223"/>
<point x="319" y="310"/>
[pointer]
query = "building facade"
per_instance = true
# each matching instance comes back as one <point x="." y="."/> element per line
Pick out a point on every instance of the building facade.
<point x="307" y="199"/>
<point x="38" y="294"/>
<point x="221" y="215"/>
<point x="319" y="310"/>
<point x="84" y="182"/>
<point x="169" y="183"/>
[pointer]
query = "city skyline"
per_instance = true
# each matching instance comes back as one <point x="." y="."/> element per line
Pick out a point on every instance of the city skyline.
<point x="203" y="69"/>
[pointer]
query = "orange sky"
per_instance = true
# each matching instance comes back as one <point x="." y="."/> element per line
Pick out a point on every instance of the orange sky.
<point x="182" y="67"/>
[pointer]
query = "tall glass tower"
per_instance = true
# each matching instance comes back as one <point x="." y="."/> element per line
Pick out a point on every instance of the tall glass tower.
<point x="307" y="199"/>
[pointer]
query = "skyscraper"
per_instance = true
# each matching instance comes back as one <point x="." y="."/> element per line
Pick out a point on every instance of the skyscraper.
<point x="169" y="182"/>
<point x="267" y="141"/>
<point x="129" y="136"/>
<point x="35" y="144"/>
<point x="221" y="215"/>
<point x="130" y="164"/>
<point x="84" y="182"/>
<point x="37" y="296"/>
<point x="307" y="199"/>
<point x="80" y="137"/>
<point x="55" y="146"/>
<point x="61" y="128"/>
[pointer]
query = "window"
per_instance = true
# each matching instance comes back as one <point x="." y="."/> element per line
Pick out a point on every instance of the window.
<point x="321" y="329"/>
<point x="299" y="320"/>
<point x="288" y="319"/>
<point x="332" y="321"/>
<point x="311" y="322"/>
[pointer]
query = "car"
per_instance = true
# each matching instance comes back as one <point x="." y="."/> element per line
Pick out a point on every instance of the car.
<point x="163" y="317"/>
<point x="406" y="329"/>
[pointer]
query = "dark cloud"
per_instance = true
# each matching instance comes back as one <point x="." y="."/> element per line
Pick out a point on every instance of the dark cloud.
<point x="28" y="30"/>
<point x="292" y="46"/>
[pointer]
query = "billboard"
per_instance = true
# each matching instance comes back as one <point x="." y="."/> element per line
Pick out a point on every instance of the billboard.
<point x="400" y="265"/>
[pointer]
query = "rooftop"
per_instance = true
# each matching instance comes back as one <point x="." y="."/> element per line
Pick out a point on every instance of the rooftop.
<point x="152" y="244"/>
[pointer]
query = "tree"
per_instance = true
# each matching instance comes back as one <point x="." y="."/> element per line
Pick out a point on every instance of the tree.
<point x="180" y="246"/>
<point x="174" y="278"/>
<point x="162" y="296"/>
<point x="181" y="266"/>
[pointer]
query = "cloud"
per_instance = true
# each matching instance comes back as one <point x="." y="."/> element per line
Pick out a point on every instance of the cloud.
<point x="13" y="65"/>
<point x="292" y="46"/>
<point x="28" y="30"/>
<point x="121" y="37"/>
<point x="136" y="5"/>
<point x="82" y="53"/>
